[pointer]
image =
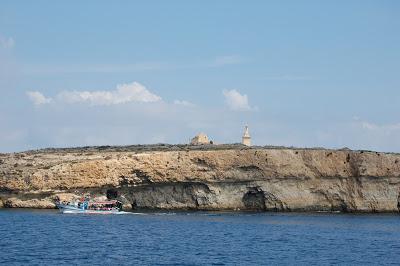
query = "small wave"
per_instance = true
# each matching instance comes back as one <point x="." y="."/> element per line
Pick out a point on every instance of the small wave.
<point x="136" y="213"/>
<point x="164" y="213"/>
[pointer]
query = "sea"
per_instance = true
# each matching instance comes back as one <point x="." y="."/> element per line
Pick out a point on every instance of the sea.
<point x="47" y="237"/>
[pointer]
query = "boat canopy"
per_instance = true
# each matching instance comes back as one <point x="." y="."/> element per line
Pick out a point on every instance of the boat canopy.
<point x="103" y="202"/>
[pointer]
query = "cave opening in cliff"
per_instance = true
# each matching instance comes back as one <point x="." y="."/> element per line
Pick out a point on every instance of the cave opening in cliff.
<point x="112" y="194"/>
<point x="254" y="199"/>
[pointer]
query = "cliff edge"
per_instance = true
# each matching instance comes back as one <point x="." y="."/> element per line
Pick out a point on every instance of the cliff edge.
<point x="219" y="177"/>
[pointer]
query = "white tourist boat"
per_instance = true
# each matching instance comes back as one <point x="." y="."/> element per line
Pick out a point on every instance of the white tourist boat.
<point x="91" y="207"/>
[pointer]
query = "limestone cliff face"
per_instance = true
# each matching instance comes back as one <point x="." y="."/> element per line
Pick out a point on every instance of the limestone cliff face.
<point x="207" y="178"/>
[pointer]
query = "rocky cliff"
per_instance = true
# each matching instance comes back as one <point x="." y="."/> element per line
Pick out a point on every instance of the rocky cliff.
<point x="217" y="177"/>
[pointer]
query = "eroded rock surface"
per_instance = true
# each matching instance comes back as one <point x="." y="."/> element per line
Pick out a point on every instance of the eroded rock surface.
<point x="205" y="178"/>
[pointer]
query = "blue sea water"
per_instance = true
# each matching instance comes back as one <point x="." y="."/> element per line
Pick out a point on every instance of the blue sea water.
<point x="33" y="237"/>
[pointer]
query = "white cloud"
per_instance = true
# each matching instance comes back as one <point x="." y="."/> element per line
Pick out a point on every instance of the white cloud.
<point x="6" y="42"/>
<point x="99" y="68"/>
<point x="236" y="101"/>
<point x="227" y="60"/>
<point x="373" y="127"/>
<point x="38" y="98"/>
<point x="183" y="103"/>
<point x="289" y="77"/>
<point x="36" y="69"/>
<point x="124" y="93"/>
<point x="385" y="128"/>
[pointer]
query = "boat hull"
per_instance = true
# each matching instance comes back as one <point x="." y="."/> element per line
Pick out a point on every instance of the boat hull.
<point x="69" y="209"/>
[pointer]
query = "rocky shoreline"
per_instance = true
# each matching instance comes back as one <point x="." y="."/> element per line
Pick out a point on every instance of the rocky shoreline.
<point x="206" y="177"/>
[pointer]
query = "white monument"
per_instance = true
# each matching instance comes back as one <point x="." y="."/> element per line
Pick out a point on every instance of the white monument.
<point x="246" y="139"/>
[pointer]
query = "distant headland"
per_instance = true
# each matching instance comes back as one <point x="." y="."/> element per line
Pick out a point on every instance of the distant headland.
<point x="204" y="177"/>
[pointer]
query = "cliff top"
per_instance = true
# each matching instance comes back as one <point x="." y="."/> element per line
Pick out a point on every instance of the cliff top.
<point x="174" y="147"/>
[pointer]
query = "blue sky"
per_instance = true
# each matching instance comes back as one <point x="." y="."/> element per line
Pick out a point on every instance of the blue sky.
<point x="299" y="73"/>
